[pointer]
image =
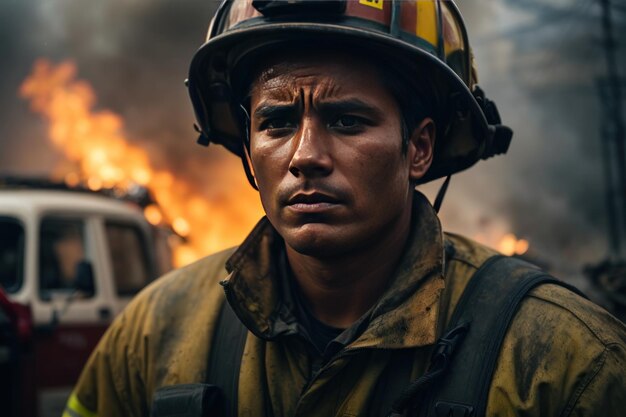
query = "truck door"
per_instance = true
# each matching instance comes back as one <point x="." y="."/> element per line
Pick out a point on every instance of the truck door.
<point x="69" y="321"/>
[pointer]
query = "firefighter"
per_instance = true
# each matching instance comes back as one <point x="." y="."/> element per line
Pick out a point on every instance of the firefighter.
<point x="347" y="299"/>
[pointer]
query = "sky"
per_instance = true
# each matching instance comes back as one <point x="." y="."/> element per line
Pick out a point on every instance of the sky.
<point x="537" y="59"/>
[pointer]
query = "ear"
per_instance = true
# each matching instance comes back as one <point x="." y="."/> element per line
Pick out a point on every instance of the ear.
<point x="421" y="148"/>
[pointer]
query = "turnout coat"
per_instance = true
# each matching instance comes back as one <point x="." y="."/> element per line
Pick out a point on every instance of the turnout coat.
<point x="561" y="356"/>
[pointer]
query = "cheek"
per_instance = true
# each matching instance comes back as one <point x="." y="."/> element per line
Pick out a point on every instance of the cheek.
<point x="380" y="170"/>
<point x="268" y="167"/>
<point x="265" y="158"/>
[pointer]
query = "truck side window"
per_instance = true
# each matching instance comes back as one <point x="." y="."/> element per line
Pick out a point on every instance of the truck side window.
<point x="128" y="257"/>
<point x="11" y="254"/>
<point x="61" y="248"/>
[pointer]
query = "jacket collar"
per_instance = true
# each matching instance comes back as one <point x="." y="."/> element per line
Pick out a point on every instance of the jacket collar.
<point x="405" y="316"/>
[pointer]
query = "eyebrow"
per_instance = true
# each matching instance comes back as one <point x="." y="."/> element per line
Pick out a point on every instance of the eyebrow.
<point x="350" y="106"/>
<point x="326" y="108"/>
<point x="266" y="110"/>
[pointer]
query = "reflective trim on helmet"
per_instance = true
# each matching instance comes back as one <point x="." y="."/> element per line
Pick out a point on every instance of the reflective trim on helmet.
<point x="74" y="408"/>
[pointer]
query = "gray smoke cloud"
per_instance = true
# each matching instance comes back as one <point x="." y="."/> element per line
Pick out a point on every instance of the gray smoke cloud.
<point x="538" y="59"/>
<point x="134" y="53"/>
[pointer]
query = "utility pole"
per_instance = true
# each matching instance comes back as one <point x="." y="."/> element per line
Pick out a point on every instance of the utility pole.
<point x="613" y="140"/>
<point x="609" y="276"/>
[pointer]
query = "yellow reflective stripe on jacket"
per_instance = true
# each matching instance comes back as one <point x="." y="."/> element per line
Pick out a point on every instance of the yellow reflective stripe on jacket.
<point x="75" y="409"/>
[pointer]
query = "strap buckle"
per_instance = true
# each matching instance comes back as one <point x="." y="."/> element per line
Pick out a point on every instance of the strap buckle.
<point x="188" y="400"/>
<point x="446" y="345"/>
<point x="450" y="409"/>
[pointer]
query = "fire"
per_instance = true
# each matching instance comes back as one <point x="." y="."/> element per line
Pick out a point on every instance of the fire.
<point x="511" y="245"/>
<point x="95" y="141"/>
<point x="153" y="214"/>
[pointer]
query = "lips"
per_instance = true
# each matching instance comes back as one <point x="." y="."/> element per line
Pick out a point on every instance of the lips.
<point x="314" y="202"/>
<point x="312" y="198"/>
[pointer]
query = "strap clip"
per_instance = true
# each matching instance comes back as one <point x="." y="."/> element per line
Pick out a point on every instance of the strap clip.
<point x="449" y="409"/>
<point x="446" y="345"/>
<point x="187" y="400"/>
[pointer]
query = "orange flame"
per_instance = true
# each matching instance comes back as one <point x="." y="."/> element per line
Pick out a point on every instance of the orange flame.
<point x="511" y="245"/>
<point x="95" y="140"/>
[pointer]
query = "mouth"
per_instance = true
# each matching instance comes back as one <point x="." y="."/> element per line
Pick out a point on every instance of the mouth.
<point x="314" y="202"/>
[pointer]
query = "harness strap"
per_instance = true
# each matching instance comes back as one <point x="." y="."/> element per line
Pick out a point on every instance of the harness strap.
<point x="485" y="310"/>
<point x="225" y="357"/>
<point x="218" y="396"/>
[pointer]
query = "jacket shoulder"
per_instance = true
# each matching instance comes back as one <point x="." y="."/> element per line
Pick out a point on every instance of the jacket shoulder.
<point x="177" y="314"/>
<point x="161" y="338"/>
<point x="183" y="285"/>
<point x="562" y="355"/>
<point x="593" y="319"/>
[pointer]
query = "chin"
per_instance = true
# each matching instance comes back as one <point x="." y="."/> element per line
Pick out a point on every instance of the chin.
<point x="319" y="240"/>
<point x="317" y="249"/>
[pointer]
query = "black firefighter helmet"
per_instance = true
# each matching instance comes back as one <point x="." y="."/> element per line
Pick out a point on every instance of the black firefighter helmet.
<point x="418" y="36"/>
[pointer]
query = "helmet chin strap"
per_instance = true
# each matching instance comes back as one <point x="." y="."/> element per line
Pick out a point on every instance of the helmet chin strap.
<point x="245" y="148"/>
<point x="246" y="167"/>
<point x="441" y="194"/>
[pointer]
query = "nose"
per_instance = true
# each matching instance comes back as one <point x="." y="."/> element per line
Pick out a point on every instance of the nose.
<point x="311" y="156"/>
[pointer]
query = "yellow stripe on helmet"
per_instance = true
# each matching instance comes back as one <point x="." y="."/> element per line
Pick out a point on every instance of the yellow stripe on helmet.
<point x="426" y="22"/>
<point x="74" y="408"/>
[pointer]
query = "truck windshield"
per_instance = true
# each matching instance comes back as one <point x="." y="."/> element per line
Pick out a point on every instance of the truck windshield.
<point x="11" y="254"/>
<point x="129" y="257"/>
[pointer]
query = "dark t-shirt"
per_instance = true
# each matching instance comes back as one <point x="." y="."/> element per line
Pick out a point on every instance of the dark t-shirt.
<point x="318" y="333"/>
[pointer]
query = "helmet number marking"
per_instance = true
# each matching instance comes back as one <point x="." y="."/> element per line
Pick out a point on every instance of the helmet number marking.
<point x="377" y="4"/>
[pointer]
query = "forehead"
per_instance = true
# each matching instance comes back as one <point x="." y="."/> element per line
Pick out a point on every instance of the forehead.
<point x="281" y="75"/>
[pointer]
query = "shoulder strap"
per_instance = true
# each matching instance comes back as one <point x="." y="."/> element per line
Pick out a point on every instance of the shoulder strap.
<point x="225" y="356"/>
<point x="486" y="309"/>
<point x="218" y="396"/>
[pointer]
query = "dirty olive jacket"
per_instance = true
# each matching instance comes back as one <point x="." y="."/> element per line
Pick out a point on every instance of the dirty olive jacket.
<point x="562" y="355"/>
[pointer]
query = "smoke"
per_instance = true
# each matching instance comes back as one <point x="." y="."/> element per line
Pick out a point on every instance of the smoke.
<point x="134" y="53"/>
<point x="538" y="60"/>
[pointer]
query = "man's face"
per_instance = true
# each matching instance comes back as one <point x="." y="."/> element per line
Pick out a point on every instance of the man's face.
<point x="326" y="150"/>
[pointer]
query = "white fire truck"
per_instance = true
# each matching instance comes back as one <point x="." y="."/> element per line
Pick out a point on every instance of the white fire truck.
<point x="69" y="262"/>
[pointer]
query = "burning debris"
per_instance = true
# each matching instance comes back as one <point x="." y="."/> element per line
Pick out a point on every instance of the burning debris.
<point x="94" y="141"/>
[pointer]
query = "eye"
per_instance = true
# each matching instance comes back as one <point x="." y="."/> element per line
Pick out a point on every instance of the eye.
<point x="277" y="126"/>
<point x="277" y="123"/>
<point x="349" y="123"/>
